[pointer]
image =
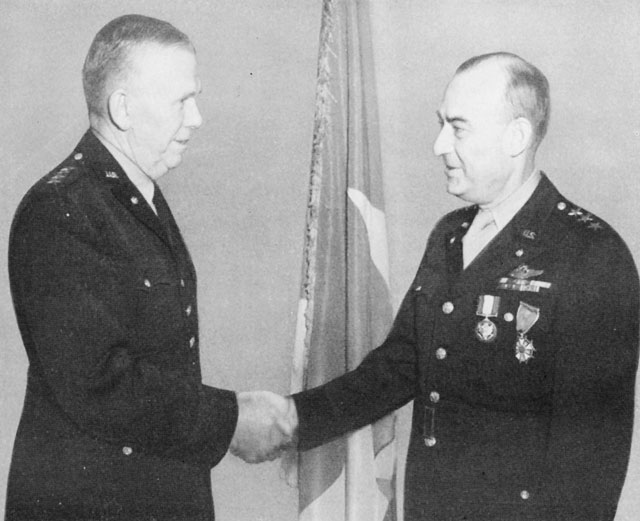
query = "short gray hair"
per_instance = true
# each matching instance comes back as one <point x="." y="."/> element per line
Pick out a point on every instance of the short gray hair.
<point x="109" y="54"/>
<point x="526" y="92"/>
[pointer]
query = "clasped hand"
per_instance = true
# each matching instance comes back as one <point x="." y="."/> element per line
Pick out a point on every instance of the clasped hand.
<point x="267" y="424"/>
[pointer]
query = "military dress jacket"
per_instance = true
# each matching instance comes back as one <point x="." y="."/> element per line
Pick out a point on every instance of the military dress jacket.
<point x="116" y="424"/>
<point x="529" y="417"/>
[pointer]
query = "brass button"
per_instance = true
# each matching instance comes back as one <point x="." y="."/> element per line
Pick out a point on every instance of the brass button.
<point x="430" y="441"/>
<point x="147" y="283"/>
<point x="127" y="451"/>
<point x="441" y="353"/>
<point x="447" y="308"/>
<point x="508" y="317"/>
<point x="134" y="200"/>
<point x="434" y="396"/>
<point x="188" y="310"/>
<point x="562" y="206"/>
<point x="192" y="341"/>
<point x="524" y="494"/>
<point x="182" y="282"/>
<point x="78" y="156"/>
<point x="519" y="253"/>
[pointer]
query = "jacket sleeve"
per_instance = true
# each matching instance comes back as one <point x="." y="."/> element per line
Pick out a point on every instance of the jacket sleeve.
<point x="384" y="381"/>
<point x="76" y="313"/>
<point x="592" y="419"/>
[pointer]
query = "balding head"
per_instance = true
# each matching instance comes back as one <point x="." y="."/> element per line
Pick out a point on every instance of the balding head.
<point x="526" y="89"/>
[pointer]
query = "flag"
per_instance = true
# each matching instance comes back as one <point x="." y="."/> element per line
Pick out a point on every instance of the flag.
<point x="345" y="309"/>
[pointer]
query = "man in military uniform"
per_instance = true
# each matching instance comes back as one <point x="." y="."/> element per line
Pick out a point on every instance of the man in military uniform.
<point x="116" y="422"/>
<point x="518" y="339"/>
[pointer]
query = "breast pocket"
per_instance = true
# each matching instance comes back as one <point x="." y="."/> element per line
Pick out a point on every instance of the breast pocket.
<point x="158" y="304"/>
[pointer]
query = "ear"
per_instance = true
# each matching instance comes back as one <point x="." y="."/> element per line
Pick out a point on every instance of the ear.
<point x="119" y="110"/>
<point x="519" y="136"/>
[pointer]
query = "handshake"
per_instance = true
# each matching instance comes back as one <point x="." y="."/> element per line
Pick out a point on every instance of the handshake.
<point x="267" y="425"/>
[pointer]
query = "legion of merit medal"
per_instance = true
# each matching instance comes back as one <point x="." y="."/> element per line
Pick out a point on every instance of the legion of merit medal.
<point x="488" y="306"/>
<point x="526" y="317"/>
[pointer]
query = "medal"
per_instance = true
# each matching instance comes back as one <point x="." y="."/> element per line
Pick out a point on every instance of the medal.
<point x="526" y="317"/>
<point x="486" y="330"/>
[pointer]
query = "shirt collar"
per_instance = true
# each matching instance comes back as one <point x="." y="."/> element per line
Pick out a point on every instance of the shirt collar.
<point x="506" y="209"/>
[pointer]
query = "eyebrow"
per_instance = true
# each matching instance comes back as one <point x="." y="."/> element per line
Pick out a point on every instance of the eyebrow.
<point x="454" y="119"/>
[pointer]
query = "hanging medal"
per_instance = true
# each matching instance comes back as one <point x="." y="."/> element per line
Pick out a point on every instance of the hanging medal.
<point x="488" y="306"/>
<point x="526" y="317"/>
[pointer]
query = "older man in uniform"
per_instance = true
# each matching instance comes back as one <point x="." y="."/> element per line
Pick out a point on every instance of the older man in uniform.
<point x="117" y="423"/>
<point x="518" y="339"/>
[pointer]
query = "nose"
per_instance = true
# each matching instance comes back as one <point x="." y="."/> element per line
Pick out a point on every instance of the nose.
<point x="443" y="142"/>
<point x="192" y="116"/>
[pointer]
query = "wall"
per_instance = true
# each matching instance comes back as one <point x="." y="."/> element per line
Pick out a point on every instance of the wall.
<point x="240" y="194"/>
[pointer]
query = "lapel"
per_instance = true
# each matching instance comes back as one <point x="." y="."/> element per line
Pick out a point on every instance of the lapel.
<point x="453" y="241"/>
<point x="531" y="232"/>
<point x="107" y="171"/>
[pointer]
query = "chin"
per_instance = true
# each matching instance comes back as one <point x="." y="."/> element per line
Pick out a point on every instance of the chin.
<point x="454" y="187"/>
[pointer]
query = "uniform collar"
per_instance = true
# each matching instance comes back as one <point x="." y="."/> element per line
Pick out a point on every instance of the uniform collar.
<point x="140" y="180"/>
<point x="106" y="170"/>
<point x="532" y="230"/>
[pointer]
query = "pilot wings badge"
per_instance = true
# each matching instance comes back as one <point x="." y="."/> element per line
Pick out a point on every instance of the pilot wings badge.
<point x="521" y="279"/>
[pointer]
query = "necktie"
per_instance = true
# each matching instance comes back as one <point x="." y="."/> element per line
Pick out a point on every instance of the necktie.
<point x="482" y="230"/>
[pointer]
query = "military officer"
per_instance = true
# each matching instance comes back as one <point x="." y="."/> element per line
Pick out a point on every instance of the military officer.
<point x="518" y="339"/>
<point x="117" y="423"/>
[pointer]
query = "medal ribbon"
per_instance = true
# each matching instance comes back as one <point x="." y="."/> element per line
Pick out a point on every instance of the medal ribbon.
<point x="488" y="306"/>
<point x="526" y="317"/>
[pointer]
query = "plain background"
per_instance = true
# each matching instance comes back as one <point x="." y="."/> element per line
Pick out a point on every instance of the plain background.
<point x="240" y="195"/>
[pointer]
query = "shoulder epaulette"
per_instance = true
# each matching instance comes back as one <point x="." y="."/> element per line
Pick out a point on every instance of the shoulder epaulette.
<point x="67" y="172"/>
<point x="580" y="218"/>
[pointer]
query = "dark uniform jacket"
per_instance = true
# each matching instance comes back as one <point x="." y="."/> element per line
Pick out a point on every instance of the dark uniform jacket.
<point x="116" y="424"/>
<point x="539" y="430"/>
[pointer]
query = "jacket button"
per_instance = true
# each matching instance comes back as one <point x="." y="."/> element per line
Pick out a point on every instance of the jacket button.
<point x="434" y="396"/>
<point x="188" y="310"/>
<point x="134" y="200"/>
<point x="508" y="317"/>
<point x="430" y="441"/>
<point x="562" y="206"/>
<point x="147" y="283"/>
<point x="447" y="308"/>
<point x="78" y="156"/>
<point x="182" y="282"/>
<point x="524" y="494"/>
<point x="519" y="253"/>
<point x="441" y="353"/>
<point x="127" y="451"/>
<point x="192" y="341"/>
